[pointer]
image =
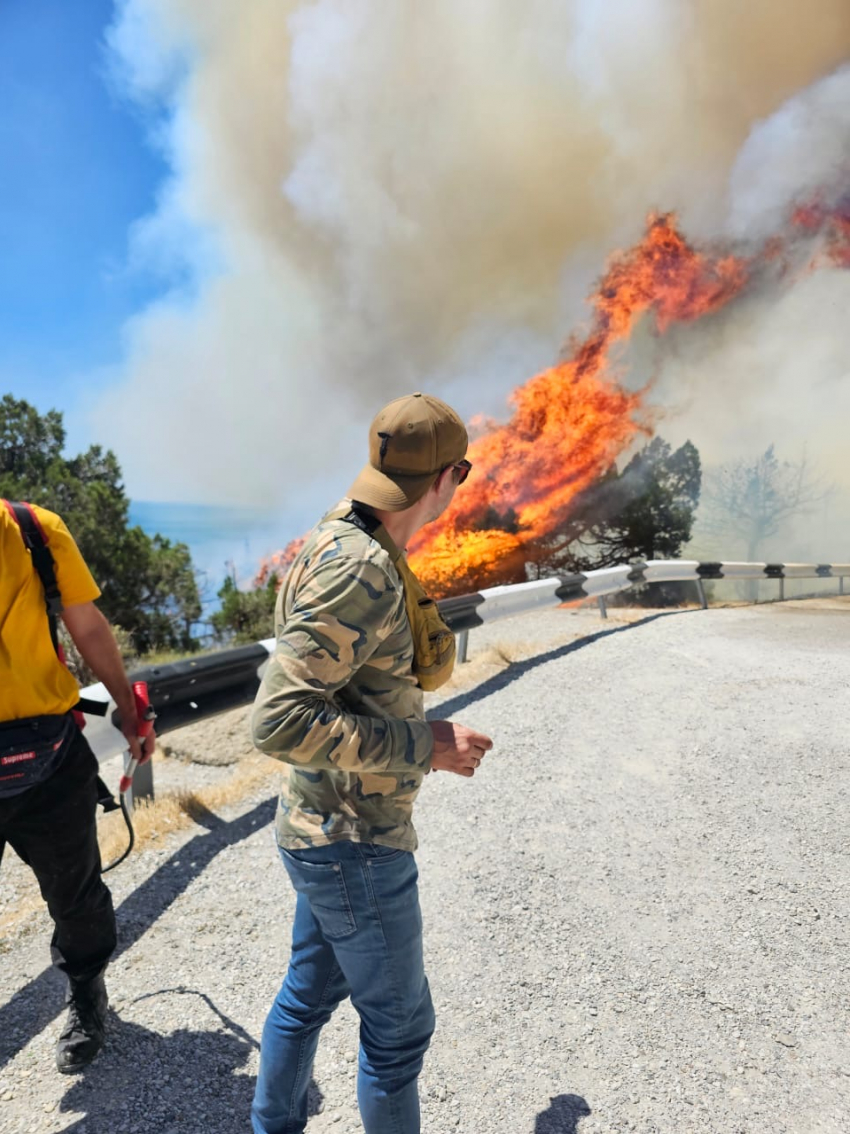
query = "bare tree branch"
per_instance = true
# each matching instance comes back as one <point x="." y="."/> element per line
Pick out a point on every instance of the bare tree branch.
<point x="749" y="501"/>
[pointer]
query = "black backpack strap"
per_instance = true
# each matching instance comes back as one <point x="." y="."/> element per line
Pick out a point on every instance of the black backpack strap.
<point x="362" y="519"/>
<point x="36" y="543"/>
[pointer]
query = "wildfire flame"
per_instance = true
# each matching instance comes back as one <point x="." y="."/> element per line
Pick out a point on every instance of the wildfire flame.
<point x="570" y="422"/>
<point x="278" y="562"/>
<point x="834" y="223"/>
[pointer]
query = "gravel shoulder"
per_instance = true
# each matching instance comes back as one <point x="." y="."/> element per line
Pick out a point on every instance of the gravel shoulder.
<point x="636" y="913"/>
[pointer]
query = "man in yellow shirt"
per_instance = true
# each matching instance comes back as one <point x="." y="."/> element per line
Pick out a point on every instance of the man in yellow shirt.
<point x="48" y="773"/>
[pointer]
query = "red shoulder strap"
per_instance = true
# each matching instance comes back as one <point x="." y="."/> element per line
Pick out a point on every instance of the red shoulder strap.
<point x="29" y="520"/>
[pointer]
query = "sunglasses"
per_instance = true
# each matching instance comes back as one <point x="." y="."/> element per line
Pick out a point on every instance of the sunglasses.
<point x="462" y="471"/>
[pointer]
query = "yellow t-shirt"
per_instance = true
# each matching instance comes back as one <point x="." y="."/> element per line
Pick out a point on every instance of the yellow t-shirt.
<point x="32" y="679"/>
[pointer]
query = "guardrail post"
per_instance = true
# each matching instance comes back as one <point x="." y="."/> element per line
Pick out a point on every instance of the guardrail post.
<point x="603" y="606"/>
<point x="462" y="644"/>
<point x="142" y="781"/>
<point x="841" y="584"/>
<point x="703" y="600"/>
<point x="782" y="589"/>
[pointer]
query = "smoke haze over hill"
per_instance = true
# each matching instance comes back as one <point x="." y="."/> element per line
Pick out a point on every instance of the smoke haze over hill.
<point x="370" y="198"/>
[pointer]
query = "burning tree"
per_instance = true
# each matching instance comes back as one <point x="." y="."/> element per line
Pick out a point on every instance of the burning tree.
<point x="644" y="512"/>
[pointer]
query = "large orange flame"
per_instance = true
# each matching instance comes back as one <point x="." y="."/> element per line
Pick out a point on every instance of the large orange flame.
<point x="570" y="422"/>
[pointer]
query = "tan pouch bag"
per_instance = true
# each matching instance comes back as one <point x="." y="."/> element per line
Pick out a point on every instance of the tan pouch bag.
<point x="433" y="642"/>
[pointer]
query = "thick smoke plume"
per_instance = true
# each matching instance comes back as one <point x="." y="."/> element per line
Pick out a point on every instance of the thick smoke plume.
<point x="369" y="198"/>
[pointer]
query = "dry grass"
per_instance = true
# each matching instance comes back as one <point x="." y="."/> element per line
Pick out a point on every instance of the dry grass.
<point x="485" y="662"/>
<point x="175" y="810"/>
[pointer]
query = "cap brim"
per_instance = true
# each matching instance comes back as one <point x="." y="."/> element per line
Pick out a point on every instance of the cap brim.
<point x="376" y="489"/>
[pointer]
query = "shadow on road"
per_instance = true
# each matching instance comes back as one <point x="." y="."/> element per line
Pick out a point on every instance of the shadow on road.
<point x="516" y="670"/>
<point x="183" y="1076"/>
<point x="41" y="1000"/>
<point x="190" y="1080"/>
<point x="562" y="1116"/>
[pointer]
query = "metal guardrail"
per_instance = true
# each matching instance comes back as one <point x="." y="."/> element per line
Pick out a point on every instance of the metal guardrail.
<point x="182" y="692"/>
<point x="185" y="690"/>
<point x="199" y="687"/>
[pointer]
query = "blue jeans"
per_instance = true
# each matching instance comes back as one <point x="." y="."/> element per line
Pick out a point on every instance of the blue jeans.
<point x="358" y="933"/>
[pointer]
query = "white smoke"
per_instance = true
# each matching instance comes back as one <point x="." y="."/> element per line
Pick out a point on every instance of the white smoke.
<point x="368" y="198"/>
<point x="799" y="154"/>
<point x="775" y="368"/>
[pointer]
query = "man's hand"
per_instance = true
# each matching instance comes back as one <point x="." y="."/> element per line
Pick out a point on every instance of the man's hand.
<point x="139" y="750"/>
<point x="457" y="748"/>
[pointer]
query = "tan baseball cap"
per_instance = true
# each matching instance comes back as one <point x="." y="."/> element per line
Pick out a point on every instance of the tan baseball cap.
<point x="411" y="441"/>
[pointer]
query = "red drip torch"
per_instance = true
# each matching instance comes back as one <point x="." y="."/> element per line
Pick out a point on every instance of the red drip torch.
<point x="145" y="716"/>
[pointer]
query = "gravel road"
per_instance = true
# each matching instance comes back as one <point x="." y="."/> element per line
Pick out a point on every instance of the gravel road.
<point x="636" y="913"/>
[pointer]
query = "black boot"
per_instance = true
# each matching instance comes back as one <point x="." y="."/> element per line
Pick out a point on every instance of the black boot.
<point x="82" y="1037"/>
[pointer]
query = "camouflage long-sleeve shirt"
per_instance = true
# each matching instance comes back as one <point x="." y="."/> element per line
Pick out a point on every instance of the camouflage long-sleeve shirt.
<point x="339" y="704"/>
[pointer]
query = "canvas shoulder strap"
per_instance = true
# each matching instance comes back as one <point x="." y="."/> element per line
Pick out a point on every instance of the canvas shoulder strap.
<point x="434" y="646"/>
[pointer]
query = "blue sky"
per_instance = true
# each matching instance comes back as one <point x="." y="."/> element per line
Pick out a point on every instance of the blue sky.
<point x="76" y="169"/>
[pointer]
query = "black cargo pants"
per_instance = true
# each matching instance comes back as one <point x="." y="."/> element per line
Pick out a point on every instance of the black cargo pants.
<point x="52" y="828"/>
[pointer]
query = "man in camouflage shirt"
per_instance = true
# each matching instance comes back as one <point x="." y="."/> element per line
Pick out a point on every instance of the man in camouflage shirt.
<point x="341" y="706"/>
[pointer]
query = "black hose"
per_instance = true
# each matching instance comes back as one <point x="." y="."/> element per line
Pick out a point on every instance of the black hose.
<point x="131" y="833"/>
